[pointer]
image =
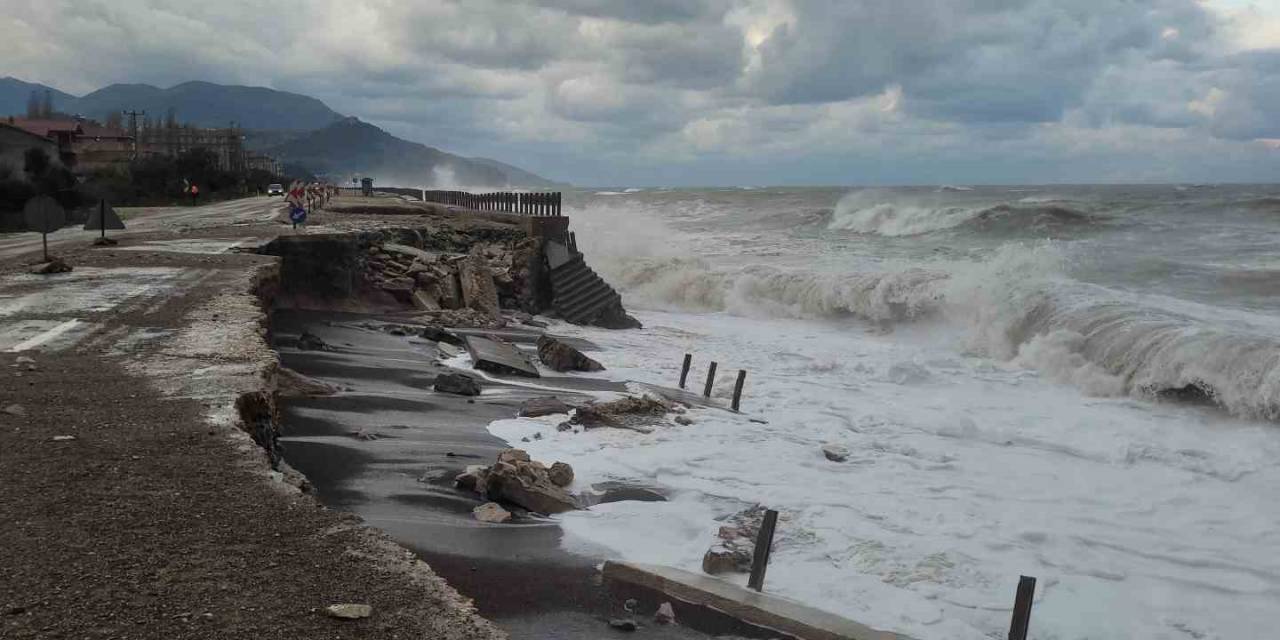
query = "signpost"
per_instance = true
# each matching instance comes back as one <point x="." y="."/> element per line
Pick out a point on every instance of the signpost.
<point x="104" y="218"/>
<point x="45" y="215"/>
<point x="298" y="215"/>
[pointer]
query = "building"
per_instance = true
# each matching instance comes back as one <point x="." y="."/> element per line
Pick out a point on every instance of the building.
<point x="83" y="146"/>
<point x="14" y="143"/>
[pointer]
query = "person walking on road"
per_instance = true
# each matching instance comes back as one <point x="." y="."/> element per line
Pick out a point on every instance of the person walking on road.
<point x="195" y="194"/>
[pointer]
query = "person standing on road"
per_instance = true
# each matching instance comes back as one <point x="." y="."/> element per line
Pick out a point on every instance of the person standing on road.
<point x="195" y="194"/>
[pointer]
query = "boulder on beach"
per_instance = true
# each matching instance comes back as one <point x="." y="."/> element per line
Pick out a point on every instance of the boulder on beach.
<point x="457" y="383"/>
<point x="439" y="334"/>
<point x="835" y="452"/>
<point x="735" y="543"/>
<point x="560" y="474"/>
<point x="638" y="413"/>
<point x="491" y="512"/>
<point x="538" y="407"/>
<point x="562" y="357"/>
<point x="291" y="384"/>
<point x="311" y="342"/>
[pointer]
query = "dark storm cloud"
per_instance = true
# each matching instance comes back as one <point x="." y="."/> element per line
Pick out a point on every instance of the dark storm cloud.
<point x="705" y="82"/>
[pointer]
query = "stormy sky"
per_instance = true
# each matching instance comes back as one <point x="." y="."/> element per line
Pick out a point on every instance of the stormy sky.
<point x="734" y="92"/>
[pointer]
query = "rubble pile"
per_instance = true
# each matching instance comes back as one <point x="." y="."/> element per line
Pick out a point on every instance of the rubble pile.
<point x="517" y="480"/>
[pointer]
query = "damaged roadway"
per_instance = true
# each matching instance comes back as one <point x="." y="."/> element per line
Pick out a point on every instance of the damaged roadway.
<point x="135" y="503"/>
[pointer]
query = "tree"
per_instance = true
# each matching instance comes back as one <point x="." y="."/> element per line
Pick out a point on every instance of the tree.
<point x="33" y="104"/>
<point x="35" y="162"/>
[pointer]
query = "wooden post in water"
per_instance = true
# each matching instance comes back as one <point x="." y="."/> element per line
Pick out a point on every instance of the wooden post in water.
<point x="737" y="388"/>
<point x="764" y="544"/>
<point x="1021" y="621"/>
<point x="684" y="368"/>
<point x="711" y="381"/>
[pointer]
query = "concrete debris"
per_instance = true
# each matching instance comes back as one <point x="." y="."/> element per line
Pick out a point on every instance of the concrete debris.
<point x="63" y="438"/>
<point x="439" y="334"/>
<point x="457" y="383"/>
<point x="24" y="360"/>
<point x="54" y="265"/>
<point x="683" y="420"/>
<point x="491" y="512"/>
<point x="562" y="357"/>
<point x="538" y="407"/>
<point x="631" y="412"/>
<point x="348" y="611"/>
<point x="835" y="452"/>
<point x="15" y="410"/>
<point x="103" y="241"/>
<point x="665" y="614"/>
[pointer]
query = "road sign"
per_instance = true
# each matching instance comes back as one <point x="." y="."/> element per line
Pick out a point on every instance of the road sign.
<point x="297" y="214"/>
<point x="44" y="214"/>
<point x="103" y="217"/>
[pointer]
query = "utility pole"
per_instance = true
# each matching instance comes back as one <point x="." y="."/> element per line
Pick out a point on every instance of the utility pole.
<point x="133" y="128"/>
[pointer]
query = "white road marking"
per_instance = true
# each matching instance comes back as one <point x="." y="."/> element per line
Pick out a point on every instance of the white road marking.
<point x="44" y="337"/>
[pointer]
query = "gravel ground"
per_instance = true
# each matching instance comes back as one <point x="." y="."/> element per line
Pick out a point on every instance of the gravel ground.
<point x="156" y="519"/>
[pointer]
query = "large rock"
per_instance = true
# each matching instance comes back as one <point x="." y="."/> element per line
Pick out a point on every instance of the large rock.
<point x="457" y="383"/>
<point x="311" y="342"/>
<point x="562" y="357"/>
<point x="528" y="486"/>
<point x="291" y="384"/>
<point x="560" y="474"/>
<point x="348" y="611"/>
<point x="478" y="289"/>
<point x="425" y="299"/>
<point x="538" y="407"/>
<point x="835" y="452"/>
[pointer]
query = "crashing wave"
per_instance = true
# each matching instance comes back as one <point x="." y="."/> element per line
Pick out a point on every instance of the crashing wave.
<point x="905" y="218"/>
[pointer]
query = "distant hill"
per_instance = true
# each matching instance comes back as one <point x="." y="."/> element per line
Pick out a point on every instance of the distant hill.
<point x="14" y="94"/>
<point x="519" y="177"/>
<point x="355" y="148"/>
<point x="300" y="130"/>
<point x="211" y="105"/>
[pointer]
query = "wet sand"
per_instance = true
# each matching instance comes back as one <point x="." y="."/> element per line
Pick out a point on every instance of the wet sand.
<point x="402" y="481"/>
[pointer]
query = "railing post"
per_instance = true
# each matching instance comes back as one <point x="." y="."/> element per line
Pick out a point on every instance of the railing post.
<point x="764" y="545"/>
<point x="711" y="380"/>
<point x="737" y="388"/>
<point x="684" y="368"/>
<point x="1021" y="621"/>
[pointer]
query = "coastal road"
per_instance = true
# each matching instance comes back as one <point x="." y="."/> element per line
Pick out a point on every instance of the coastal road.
<point x="144" y="220"/>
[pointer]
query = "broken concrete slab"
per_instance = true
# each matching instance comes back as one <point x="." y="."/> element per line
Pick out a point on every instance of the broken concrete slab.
<point x="499" y="357"/>
<point x="758" y="609"/>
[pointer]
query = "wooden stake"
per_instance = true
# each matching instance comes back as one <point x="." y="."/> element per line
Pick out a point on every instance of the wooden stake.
<point x="737" y="388"/>
<point x="684" y="368"/>
<point x="764" y="544"/>
<point x="1021" y="622"/>
<point x="711" y="380"/>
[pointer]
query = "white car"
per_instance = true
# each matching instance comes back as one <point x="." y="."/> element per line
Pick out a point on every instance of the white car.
<point x="275" y="190"/>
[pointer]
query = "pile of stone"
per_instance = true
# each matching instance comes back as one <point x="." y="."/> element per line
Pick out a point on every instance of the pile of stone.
<point x="736" y="542"/>
<point x="639" y="413"/>
<point x="517" y="480"/>
<point x="562" y="357"/>
<point x="468" y="289"/>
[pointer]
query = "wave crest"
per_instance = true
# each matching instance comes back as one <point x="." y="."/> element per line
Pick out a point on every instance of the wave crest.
<point x="868" y="212"/>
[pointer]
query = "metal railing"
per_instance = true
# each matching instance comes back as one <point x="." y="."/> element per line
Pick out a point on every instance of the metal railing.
<point x="533" y="204"/>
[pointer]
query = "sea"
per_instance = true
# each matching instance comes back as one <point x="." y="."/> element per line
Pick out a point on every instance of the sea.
<point x="1075" y="383"/>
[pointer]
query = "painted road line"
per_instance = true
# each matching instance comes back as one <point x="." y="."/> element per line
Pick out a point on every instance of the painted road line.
<point x="39" y="339"/>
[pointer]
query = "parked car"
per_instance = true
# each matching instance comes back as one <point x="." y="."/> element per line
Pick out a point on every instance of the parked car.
<point x="275" y="190"/>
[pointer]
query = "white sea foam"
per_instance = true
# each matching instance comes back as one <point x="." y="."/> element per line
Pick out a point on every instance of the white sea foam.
<point x="965" y="473"/>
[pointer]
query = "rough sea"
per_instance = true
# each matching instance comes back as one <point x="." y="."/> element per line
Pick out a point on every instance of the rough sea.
<point x="1077" y="383"/>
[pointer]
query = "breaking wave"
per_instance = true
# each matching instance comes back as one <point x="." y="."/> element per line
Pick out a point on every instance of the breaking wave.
<point x="866" y="212"/>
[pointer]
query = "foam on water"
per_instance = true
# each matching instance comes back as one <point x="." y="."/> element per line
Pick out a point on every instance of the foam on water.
<point x="1005" y="416"/>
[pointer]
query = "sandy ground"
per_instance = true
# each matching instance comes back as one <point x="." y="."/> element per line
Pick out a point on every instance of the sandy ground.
<point x="133" y="505"/>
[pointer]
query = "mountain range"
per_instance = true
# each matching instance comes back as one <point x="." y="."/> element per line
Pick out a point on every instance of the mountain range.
<point x="297" y="129"/>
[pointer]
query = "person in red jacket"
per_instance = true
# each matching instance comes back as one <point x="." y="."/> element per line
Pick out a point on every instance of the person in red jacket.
<point x="195" y="194"/>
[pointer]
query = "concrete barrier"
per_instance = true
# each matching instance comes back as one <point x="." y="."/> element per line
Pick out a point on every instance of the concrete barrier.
<point x="757" y="609"/>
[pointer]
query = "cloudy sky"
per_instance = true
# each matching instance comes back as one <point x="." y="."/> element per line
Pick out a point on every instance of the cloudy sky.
<point x="737" y="92"/>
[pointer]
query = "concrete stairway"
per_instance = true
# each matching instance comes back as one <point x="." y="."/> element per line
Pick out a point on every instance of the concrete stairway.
<point x="582" y="296"/>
